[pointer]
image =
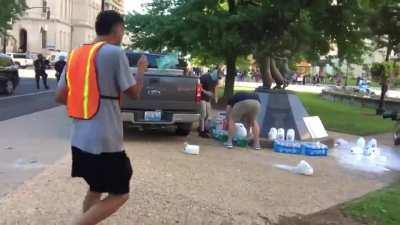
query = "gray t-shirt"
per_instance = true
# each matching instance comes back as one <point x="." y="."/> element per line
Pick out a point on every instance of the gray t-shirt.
<point x="104" y="132"/>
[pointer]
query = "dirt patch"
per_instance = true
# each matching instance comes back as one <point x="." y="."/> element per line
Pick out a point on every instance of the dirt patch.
<point x="332" y="216"/>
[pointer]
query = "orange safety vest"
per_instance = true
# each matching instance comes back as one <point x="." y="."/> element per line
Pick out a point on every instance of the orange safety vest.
<point x="83" y="100"/>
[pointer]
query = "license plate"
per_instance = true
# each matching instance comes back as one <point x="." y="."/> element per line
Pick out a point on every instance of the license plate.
<point x="152" y="115"/>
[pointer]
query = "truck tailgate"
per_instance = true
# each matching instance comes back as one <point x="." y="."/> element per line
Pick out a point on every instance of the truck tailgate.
<point x="165" y="92"/>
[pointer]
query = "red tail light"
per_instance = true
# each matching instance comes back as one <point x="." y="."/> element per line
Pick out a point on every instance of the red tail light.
<point x="198" y="92"/>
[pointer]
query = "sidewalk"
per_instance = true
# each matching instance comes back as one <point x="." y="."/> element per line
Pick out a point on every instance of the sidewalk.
<point x="217" y="187"/>
<point x="29" y="144"/>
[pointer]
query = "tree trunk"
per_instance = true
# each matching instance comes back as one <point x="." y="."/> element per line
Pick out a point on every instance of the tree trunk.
<point x="384" y="85"/>
<point x="4" y="43"/>
<point x="384" y="89"/>
<point x="276" y="74"/>
<point x="388" y="52"/>
<point x="230" y="76"/>
<point x="321" y="73"/>
<point x="232" y="6"/>
<point x="265" y="69"/>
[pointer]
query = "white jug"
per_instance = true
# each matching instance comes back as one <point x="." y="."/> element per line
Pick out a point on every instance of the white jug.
<point x="273" y="133"/>
<point x="290" y="135"/>
<point x="281" y="134"/>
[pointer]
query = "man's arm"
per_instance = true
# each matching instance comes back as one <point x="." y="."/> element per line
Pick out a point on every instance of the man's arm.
<point x="61" y="96"/>
<point x="134" y="91"/>
<point x="62" y="89"/>
<point x="214" y="91"/>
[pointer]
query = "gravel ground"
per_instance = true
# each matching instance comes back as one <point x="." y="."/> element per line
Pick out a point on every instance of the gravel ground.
<point x="218" y="186"/>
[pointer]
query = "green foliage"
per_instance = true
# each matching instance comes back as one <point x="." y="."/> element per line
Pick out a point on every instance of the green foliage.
<point x="381" y="72"/>
<point x="9" y="11"/>
<point x="384" y="24"/>
<point x="225" y="30"/>
<point x="380" y="207"/>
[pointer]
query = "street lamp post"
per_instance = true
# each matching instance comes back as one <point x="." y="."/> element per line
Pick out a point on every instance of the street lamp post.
<point x="102" y="5"/>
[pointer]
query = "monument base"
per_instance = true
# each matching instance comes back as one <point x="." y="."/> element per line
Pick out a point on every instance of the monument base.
<point x="283" y="109"/>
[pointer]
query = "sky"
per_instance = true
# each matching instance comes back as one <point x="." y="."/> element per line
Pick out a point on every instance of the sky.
<point x="135" y="5"/>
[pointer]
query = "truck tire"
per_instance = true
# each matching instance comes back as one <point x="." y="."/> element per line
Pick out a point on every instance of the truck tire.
<point x="9" y="87"/>
<point x="184" y="129"/>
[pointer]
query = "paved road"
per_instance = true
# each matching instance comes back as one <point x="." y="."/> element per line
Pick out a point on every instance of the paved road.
<point x="27" y="99"/>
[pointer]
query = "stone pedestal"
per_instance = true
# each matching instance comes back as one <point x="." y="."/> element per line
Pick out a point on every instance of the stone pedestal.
<point x="283" y="109"/>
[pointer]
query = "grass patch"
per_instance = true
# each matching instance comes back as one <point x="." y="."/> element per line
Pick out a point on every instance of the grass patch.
<point x="345" y="118"/>
<point x="381" y="207"/>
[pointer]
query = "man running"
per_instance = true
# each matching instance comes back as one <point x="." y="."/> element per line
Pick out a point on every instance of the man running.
<point x="96" y="75"/>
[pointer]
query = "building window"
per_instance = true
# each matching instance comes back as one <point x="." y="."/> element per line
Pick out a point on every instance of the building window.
<point x="44" y="5"/>
<point x="44" y="37"/>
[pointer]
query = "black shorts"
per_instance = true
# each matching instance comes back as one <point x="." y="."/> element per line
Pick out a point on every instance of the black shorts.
<point x="104" y="173"/>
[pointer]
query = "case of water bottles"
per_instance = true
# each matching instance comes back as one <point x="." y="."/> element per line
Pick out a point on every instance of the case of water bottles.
<point x="314" y="149"/>
<point x="288" y="147"/>
<point x="220" y="135"/>
<point x="291" y="146"/>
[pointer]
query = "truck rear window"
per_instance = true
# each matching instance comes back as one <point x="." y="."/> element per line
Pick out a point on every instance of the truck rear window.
<point x="134" y="58"/>
<point x="157" y="59"/>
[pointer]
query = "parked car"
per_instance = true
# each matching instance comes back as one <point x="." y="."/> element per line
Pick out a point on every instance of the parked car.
<point x="9" y="77"/>
<point x="23" y="60"/>
<point x="168" y="98"/>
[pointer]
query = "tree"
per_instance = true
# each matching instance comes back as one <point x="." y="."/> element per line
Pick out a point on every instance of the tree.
<point x="10" y="10"/>
<point x="274" y="31"/>
<point x="384" y="24"/>
<point x="304" y="29"/>
<point x="201" y="28"/>
<point x="382" y="73"/>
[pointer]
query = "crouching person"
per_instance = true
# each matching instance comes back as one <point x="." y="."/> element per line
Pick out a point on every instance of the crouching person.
<point x="244" y="108"/>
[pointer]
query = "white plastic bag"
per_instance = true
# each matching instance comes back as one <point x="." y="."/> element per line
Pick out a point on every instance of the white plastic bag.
<point x="302" y="168"/>
<point x="191" y="149"/>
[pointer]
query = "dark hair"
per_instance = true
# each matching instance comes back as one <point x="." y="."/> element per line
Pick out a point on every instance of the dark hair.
<point x="106" y="21"/>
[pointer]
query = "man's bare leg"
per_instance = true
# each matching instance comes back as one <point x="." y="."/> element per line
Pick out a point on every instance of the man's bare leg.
<point x="102" y="210"/>
<point x="91" y="199"/>
<point x="231" y="133"/>
<point x="256" y="134"/>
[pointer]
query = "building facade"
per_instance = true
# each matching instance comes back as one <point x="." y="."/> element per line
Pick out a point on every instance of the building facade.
<point x="117" y="5"/>
<point x="54" y="25"/>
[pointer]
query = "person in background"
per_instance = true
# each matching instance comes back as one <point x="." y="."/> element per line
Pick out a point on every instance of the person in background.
<point x="209" y="83"/>
<point x="244" y="108"/>
<point x="41" y="64"/>
<point x="98" y="152"/>
<point x="59" y="67"/>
